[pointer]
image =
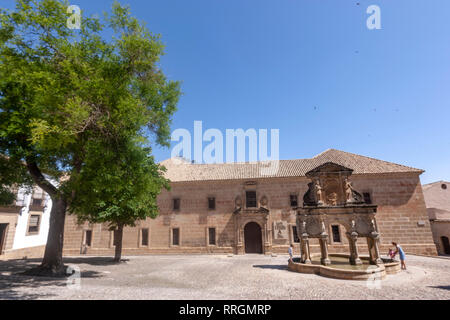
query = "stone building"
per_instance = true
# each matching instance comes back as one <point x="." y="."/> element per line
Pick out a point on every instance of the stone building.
<point x="244" y="208"/>
<point x="24" y="225"/>
<point x="437" y="199"/>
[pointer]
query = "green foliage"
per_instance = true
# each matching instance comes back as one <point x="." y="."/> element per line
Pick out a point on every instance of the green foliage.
<point x="123" y="183"/>
<point x="13" y="176"/>
<point x="79" y="107"/>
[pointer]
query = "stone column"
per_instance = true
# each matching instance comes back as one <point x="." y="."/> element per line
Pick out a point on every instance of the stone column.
<point x="239" y="245"/>
<point x="377" y="251"/>
<point x="325" y="260"/>
<point x="371" y="253"/>
<point x="305" y="258"/>
<point x="267" y="246"/>
<point x="375" y="258"/>
<point x="354" y="256"/>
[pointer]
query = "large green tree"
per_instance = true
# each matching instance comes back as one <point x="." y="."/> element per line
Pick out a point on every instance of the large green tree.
<point x="124" y="183"/>
<point x="68" y="96"/>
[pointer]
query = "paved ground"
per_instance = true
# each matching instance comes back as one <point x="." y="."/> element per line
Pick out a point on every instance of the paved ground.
<point x="219" y="277"/>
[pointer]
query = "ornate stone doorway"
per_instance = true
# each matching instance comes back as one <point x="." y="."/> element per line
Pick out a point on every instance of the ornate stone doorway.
<point x="253" y="238"/>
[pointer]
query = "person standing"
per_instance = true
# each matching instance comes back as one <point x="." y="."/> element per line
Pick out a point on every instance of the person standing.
<point x="401" y="254"/>
<point x="291" y="252"/>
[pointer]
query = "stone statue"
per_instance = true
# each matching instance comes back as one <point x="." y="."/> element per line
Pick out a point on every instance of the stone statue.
<point x="264" y="201"/>
<point x="374" y="228"/>
<point x="319" y="193"/>
<point x="351" y="195"/>
<point x="238" y="203"/>
<point x="303" y="227"/>
<point x="348" y="191"/>
<point x="324" y="229"/>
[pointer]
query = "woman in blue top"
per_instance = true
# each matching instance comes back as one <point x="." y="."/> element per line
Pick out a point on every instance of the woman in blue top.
<point x="401" y="254"/>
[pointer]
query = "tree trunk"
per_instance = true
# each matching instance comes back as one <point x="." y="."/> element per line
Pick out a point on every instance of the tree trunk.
<point x="52" y="264"/>
<point x="118" y="243"/>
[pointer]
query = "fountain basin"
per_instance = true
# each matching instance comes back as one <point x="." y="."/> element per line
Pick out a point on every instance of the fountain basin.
<point x="340" y="268"/>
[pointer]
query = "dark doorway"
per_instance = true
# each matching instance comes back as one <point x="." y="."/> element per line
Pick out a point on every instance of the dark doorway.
<point x="3" y="230"/>
<point x="253" y="238"/>
<point x="446" y="245"/>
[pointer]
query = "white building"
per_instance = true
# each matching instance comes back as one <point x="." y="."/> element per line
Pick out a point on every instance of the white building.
<point x="24" y="225"/>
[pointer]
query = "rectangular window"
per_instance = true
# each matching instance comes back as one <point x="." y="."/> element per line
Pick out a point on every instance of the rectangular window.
<point x="176" y="204"/>
<point x="294" y="200"/>
<point x="144" y="237"/>
<point x="251" y="199"/>
<point x="367" y="198"/>
<point x="336" y="233"/>
<point x="88" y="238"/>
<point x="211" y="203"/>
<point x="37" y="202"/>
<point x="295" y="235"/>
<point x="212" y="236"/>
<point x="33" y="224"/>
<point x="176" y="237"/>
<point x="38" y="197"/>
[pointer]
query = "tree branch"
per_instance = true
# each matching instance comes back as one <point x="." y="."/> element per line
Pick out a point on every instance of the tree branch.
<point x="39" y="178"/>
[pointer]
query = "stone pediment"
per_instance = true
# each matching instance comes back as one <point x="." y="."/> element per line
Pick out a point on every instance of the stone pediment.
<point x="251" y="210"/>
<point x="330" y="186"/>
<point x="329" y="168"/>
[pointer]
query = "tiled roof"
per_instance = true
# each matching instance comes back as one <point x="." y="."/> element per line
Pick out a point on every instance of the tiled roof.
<point x="179" y="170"/>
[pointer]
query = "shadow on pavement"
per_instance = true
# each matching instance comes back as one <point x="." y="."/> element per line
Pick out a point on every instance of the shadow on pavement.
<point x="15" y="286"/>
<point x="94" y="261"/>
<point x="270" y="266"/>
<point x="441" y="287"/>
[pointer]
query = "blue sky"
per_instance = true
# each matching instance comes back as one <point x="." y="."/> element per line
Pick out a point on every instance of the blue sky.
<point x="313" y="70"/>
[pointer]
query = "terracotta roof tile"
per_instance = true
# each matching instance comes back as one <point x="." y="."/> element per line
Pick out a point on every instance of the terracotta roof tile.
<point x="179" y="170"/>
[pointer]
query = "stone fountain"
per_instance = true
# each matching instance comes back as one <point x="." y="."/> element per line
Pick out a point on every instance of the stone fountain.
<point x="331" y="199"/>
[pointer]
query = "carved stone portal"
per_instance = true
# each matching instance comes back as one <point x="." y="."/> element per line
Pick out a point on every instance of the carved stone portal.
<point x="331" y="198"/>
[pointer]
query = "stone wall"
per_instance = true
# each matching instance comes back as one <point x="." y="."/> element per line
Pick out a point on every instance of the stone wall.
<point x="25" y="253"/>
<point x="401" y="217"/>
<point x="440" y="229"/>
<point x="11" y="220"/>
